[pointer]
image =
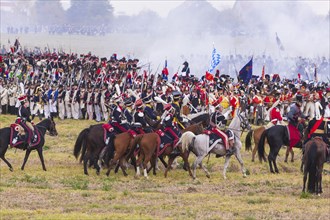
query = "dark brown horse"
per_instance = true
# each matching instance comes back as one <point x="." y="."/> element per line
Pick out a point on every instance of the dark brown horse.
<point x="313" y="160"/>
<point x="89" y="145"/>
<point x="43" y="126"/>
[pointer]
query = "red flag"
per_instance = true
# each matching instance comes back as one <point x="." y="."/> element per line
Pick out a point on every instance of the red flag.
<point x="263" y="73"/>
<point x="209" y="76"/>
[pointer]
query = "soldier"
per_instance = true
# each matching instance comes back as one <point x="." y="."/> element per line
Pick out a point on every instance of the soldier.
<point x="25" y="121"/>
<point x="83" y="98"/>
<point x="53" y="101"/>
<point x="75" y="96"/>
<point x="67" y="102"/>
<point x="60" y="99"/>
<point x="97" y="101"/>
<point x="139" y="114"/>
<point x="148" y="109"/>
<point x="170" y="125"/>
<point x="12" y="92"/>
<point x="118" y="122"/>
<point x="90" y="102"/>
<point x="177" y="109"/>
<point x="45" y="97"/>
<point x="104" y="94"/>
<point x="4" y="99"/>
<point x="39" y="102"/>
<point x="128" y="111"/>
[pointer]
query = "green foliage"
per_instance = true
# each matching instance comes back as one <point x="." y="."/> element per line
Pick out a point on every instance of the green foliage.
<point x="76" y="183"/>
<point x="305" y="195"/>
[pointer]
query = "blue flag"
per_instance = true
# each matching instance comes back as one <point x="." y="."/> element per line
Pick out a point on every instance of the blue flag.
<point x="215" y="60"/>
<point x="245" y="73"/>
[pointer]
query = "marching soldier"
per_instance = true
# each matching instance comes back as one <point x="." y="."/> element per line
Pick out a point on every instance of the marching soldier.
<point x="90" y="102"/>
<point x="60" y="99"/>
<point x="39" y="102"/>
<point x="75" y="96"/>
<point x="67" y="102"/>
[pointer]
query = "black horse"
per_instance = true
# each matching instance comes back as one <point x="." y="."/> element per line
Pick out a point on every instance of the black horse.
<point x="43" y="126"/>
<point x="277" y="136"/>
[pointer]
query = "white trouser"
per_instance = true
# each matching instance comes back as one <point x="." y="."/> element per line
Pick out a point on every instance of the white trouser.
<point x="46" y="110"/>
<point x="105" y="112"/>
<point x="37" y="108"/>
<point x="68" y="109"/>
<point x="97" y="112"/>
<point x="61" y="110"/>
<point x="310" y="109"/>
<point x="90" y="112"/>
<point x="75" y="110"/>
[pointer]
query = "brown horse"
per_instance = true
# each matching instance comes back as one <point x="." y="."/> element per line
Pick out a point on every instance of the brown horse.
<point x="313" y="160"/>
<point x="122" y="144"/>
<point x="149" y="146"/>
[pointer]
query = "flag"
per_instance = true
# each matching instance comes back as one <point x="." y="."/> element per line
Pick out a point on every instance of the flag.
<point x="215" y="60"/>
<point x="245" y="73"/>
<point x="279" y="43"/>
<point x="165" y="71"/>
<point x="209" y="76"/>
<point x="263" y="73"/>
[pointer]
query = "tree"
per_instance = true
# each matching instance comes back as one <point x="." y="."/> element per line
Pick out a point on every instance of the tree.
<point x="48" y="12"/>
<point x="87" y="12"/>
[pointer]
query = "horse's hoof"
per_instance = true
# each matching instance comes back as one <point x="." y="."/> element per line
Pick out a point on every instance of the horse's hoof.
<point x="252" y="160"/>
<point x="244" y="175"/>
<point x="292" y="161"/>
<point x="285" y="161"/>
<point x="224" y="177"/>
<point x="11" y="169"/>
<point x="44" y="169"/>
<point x="277" y="172"/>
<point x="136" y="177"/>
<point x="272" y="171"/>
<point x="208" y="176"/>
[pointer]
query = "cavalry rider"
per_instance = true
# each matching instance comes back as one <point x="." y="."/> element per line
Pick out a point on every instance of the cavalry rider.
<point x="25" y="120"/>
<point x="170" y="124"/>
<point x="138" y="116"/>
<point x="219" y="120"/>
<point x="128" y="111"/>
<point x="176" y="105"/>
<point x="117" y="120"/>
<point x="148" y="109"/>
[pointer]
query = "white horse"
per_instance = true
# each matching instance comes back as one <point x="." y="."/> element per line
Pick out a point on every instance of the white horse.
<point x="199" y="145"/>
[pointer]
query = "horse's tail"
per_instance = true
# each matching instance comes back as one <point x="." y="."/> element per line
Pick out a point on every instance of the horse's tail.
<point x="248" y="140"/>
<point x="134" y="143"/>
<point x="187" y="139"/>
<point x="81" y="141"/>
<point x="261" y="146"/>
<point x="110" y="152"/>
<point x="311" y="167"/>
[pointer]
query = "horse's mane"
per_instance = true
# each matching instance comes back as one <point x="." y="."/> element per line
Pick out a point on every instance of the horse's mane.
<point x="193" y="116"/>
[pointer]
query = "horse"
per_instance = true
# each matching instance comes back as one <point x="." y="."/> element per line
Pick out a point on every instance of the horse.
<point x="149" y="150"/>
<point x="256" y="133"/>
<point x="89" y="145"/>
<point x="313" y="159"/>
<point x="42" y="127"/>
<point x="203" y="117"/>
<point x="199" y="145"/>
<point x="277" y="136"/>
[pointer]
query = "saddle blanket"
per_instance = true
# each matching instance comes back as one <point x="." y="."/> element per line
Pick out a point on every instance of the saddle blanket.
<point x="16" y="138"/>
<point x="213" y="138"/>
<point x="294" y="135"/>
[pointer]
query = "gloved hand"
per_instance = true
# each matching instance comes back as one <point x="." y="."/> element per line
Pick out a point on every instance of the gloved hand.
<point x="158" y="118"/>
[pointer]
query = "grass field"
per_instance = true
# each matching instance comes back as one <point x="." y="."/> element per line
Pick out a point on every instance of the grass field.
<point x="64" y="192"/>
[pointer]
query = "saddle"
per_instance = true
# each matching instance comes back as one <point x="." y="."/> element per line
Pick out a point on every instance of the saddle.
<point x="18" y="136"/>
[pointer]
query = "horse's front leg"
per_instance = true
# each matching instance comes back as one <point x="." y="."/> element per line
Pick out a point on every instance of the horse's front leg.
<point x="41" y="158"/>
<point x="205" y="169"/>
<point x="7" y="162"/>
<point x="27" y="154"/>
<point x="239" y="158"/>
<point x="287" y="154"/>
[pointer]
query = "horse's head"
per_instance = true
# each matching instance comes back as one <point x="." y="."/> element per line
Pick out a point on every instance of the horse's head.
<point x="52" y="128"/>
